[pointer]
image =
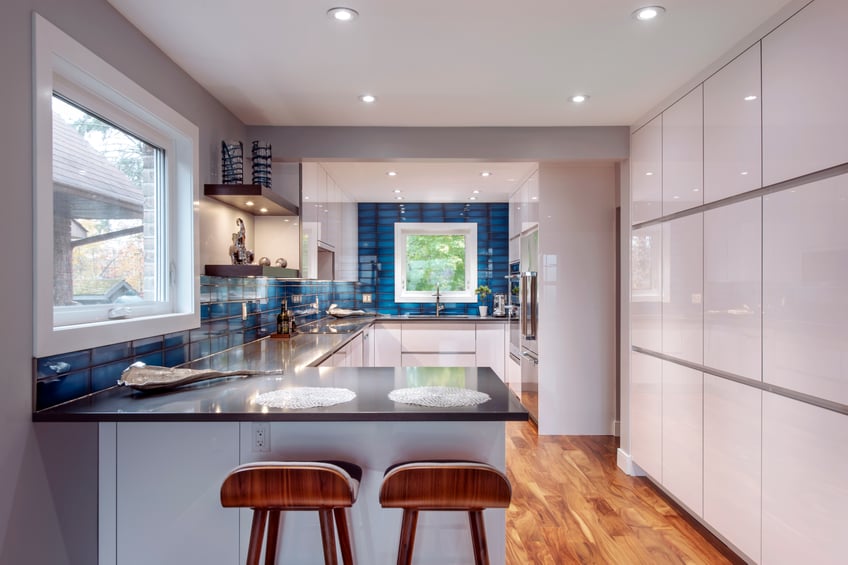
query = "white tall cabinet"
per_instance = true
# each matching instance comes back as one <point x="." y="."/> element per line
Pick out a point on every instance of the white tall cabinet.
<point x="738" y="381"/>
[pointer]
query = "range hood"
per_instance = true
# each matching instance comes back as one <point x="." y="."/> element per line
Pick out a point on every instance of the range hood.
<point x="239" y="195"/>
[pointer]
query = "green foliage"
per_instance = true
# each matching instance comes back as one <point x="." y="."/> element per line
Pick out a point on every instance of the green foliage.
<point x="482" y="291"/>
<point x="435" y="259"/>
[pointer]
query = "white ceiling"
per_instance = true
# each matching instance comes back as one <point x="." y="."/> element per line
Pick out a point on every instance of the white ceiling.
<point x="443" y="62"/>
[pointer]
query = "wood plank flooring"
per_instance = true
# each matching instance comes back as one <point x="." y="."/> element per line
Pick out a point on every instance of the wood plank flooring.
<point x="571" y="504"/>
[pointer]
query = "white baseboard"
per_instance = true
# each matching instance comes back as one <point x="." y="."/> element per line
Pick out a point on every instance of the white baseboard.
<point x="626" y="464"/>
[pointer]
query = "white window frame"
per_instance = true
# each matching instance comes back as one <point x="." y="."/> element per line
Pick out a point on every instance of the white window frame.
<point x="61" y="64"/>
<point x="405" y="229"/>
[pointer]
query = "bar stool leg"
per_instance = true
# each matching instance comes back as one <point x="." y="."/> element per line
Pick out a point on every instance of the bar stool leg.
<point x="273" y="534"/>
<point x="328" y="536"/>
<point x="257" y="530"/>
<point x="344" y="535"/>
<point x="478" y="537"/>
<point x="407" y="536"/>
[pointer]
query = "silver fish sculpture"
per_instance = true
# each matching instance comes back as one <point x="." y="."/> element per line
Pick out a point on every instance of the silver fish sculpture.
<point x="141" y="376"/>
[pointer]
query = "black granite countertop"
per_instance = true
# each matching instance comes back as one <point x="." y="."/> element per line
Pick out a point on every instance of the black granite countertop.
<point x="289" y="360"/>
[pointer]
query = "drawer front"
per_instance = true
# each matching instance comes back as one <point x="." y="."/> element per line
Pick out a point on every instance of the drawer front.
<point x="438" y="337"/>
<point x="438" y="360"/>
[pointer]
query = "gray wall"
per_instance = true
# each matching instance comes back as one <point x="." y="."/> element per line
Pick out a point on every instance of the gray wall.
<point x="47" y="472"/>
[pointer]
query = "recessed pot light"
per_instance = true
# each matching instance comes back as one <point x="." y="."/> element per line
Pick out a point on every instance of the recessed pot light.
<point x="396" y="191"/>
<point x="398" y="197"/>
<point x="472" y="198"/>
<point x="392" y="173"/>
<point x="475" y="192"/>
<point x="249" y="203"/>
<point x="648" y="13"/>
<point x="342" y="14"/>
<point x="368" y="98"/>
<point x="263" y="210"/>
<point x="579" y="98"/>
<point x="485" y="174"/>
<point x="750" y="98"/>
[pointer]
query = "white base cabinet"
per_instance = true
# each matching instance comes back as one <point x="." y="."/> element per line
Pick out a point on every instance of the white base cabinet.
<point x="732" y="462"/>
<point x="805" y="483"/>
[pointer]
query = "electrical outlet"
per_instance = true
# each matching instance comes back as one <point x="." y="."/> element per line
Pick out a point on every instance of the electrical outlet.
<point x="296" y="299"/>
<point x="366" y="298"/>
<point x="261" y="436"/>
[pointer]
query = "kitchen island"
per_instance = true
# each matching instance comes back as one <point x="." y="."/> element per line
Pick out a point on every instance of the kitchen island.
<point x="163" y="456"/>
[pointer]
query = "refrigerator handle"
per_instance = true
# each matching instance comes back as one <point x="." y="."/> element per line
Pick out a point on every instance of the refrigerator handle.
<point x="529" y="308"/>
<point x="524" y="305"/>
<point x="534" y="307"/>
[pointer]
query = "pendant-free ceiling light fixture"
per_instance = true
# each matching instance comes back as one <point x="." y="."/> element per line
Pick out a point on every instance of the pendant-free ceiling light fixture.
<point x="342" y="14"/>
<point x="579" y="98"/>
<point x="646" y="13"/>
<point x="368" y="98"/>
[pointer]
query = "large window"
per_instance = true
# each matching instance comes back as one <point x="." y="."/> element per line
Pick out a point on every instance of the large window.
<point x="431" y="255"/>
<point x="115" y="186"/>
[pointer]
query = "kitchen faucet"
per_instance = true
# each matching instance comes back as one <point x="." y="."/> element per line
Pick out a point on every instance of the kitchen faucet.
<point x="439" y="305"/>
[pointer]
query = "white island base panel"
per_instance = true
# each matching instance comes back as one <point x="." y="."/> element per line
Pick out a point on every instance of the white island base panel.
<point x="160" y="481"/>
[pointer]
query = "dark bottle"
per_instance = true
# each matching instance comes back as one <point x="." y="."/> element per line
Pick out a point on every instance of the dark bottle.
<point x="283" y="321"/>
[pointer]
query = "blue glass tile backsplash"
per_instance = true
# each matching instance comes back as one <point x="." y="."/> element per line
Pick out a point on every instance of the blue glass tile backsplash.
<point x="233" y="311"/>
<point x="377" y="249"/>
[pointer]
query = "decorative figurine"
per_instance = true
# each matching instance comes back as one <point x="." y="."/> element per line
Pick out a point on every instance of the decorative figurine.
<point x="239" y="254"/>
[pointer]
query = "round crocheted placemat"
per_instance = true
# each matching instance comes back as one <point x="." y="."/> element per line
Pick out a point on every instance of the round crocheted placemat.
<point x="297" y="398"/>
<point x="439" y="396"/>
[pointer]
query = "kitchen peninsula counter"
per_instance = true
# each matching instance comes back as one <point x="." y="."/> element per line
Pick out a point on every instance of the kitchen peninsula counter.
<point x="163" y="456"/>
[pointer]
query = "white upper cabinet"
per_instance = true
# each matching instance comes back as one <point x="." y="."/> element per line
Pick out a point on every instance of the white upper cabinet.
<point x="683" y="153"/>
<point x="683" y="281"/>
<point x="805" y="114"/>
<point x="805" y="282"/>
<point x="646" y="172"/>
<point x="732" y="128"/>
<point x="733" y="289"/>
<point x="646" y="287"/>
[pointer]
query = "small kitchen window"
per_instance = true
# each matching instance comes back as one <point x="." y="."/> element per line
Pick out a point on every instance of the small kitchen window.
<point x="431" y="254"/>
<point x="115" y="186"/>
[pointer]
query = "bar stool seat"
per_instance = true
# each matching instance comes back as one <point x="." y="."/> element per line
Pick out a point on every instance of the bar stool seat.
<point x="444" y="485"/>
<point x="270" y="487"/>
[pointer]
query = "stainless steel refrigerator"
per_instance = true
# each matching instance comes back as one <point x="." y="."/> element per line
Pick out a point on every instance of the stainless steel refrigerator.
<point x="529" y="321"/>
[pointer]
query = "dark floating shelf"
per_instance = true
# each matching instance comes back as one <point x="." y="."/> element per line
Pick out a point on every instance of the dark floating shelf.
<point x="238" y="195"/>
<point x="250" y="271"/>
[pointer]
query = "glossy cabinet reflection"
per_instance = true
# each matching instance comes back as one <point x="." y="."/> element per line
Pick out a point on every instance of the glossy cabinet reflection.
<point x="683" y="153"/>
<point x="732" y="447"/>
<point x="805" y="122"/>
<point x="646" y="172"/>
<point x="683" y="279"/>
<point x="646" y="413"/>
<point x="732" y="128"/>
<point x="732" y="289"/>
<point x="805" y="285"/>
<point x="804" y="483"/>
<point x="682" y="434"/>
<point x="646" y="289"/>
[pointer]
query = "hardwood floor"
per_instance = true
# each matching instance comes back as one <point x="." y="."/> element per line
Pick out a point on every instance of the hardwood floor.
<point x="571" y="504"/>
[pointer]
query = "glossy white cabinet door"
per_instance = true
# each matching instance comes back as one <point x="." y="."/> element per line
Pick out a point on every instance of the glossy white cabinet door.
<point x="733" y="128"/>
<point x="805" y="285"/>
<point x="169" y="511"/>
<point x="438" y="337"/>
<point x="490" y="347"/>
<point x="732" y="289"/>
<point x="682" y="434"/>
<point x="646" y="413"/>
<point x="805" y="483"/>
<point x="646" y="172"/>
<point x="387" y="344"/>
<point x="646" y="290"/>
<point x="732" y="457"/>
<point x="683" y="153"/>
<point x="683" y="280"/>
<point x="438" y="360"/>
<point x="805" y="117"/>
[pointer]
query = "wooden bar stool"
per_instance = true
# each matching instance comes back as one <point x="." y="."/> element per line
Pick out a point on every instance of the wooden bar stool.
<point x="444" y="485"/>
<point x="273" y="486"/>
